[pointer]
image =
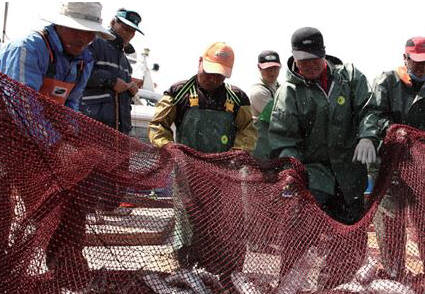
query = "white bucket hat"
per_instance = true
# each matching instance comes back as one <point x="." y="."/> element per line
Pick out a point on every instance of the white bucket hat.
<point x="85" y="16"/>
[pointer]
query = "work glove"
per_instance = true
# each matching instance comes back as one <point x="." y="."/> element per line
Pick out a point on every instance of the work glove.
<point x="365" y="151"/>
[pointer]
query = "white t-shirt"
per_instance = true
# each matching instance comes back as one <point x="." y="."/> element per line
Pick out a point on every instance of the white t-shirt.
<point x="260" y="95"/>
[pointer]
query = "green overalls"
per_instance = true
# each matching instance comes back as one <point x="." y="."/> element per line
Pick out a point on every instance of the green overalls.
<point x="205" y="130"/>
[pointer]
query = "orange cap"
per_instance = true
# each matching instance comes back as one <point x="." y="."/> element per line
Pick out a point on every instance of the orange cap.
<point x="218" y="59"/>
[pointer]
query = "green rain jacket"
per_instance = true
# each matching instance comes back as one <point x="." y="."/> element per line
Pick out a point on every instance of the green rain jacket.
<point x="321" y="130"/>
<point x="396" y="100"/>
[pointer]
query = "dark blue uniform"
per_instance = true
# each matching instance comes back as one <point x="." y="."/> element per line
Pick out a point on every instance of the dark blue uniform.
<point x="98" y="100"/>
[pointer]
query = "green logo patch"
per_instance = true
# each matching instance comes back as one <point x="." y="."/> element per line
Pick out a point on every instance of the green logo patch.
<point x="224" y="140"/>
<point x="341" y="100"/>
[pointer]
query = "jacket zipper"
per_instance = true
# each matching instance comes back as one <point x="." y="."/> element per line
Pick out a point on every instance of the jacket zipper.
<point x="323" y="91"/>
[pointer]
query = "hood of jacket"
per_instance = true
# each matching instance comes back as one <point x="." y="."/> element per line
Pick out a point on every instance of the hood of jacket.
<point x="118" y="41"/>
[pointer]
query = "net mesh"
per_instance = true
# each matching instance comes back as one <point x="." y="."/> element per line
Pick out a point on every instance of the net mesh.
<point x="85" y="209"/>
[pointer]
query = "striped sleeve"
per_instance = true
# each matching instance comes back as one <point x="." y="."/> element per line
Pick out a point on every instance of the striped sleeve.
<point x="25" y="62"/>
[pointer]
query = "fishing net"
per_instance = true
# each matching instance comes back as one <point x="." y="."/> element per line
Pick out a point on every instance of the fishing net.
<point x="85" y="209"/>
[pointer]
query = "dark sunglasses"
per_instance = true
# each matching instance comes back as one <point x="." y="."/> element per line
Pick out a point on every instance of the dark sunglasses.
<point x="131" y="16"/>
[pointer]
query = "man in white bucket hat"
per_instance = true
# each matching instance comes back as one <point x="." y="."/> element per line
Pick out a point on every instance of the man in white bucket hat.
<point x="56" y="61"/>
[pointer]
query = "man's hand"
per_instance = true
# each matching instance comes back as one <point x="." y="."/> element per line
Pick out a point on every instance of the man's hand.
<point x="133" y="88"/>
<point x="365" y="151"/>
<point x="120" y="86"/>
<point x="138" y="82"/>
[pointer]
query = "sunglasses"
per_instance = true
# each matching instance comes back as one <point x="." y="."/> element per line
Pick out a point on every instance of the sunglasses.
<point x="131" y="16"/>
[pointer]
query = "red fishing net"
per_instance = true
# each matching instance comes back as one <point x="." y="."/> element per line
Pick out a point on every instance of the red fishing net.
<point x="192" y="223"/>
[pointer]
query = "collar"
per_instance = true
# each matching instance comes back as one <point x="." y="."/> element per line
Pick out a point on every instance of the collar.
<point x="54" y="39"/>
<point x="118" y="41"/>
<point x="274" y="85"/>
<point x="324" y="80"/>
<point x="404" y="76"/>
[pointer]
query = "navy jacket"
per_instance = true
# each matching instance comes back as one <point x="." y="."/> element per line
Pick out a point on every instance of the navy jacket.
<point x="98" y="100"/>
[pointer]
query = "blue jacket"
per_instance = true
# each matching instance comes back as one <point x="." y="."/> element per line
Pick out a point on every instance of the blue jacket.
<point x="27" y="61"/>
<point x="98" y="101"/>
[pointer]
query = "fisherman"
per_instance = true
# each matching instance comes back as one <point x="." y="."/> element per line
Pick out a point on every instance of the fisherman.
<point x="262" y="98"/>
<point x="210" y="116"/>
<point x="55" y="62"/>
<point x="398" y="99"/>
<point x="108" y="95"/>
<point x="315" y="119"/>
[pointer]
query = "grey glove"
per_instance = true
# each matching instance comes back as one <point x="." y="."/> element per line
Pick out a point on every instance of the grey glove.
<point x="365" y="151"/>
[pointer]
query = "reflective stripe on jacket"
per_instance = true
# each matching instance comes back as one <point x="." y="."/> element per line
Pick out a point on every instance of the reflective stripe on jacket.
<point x="98" y="101"/>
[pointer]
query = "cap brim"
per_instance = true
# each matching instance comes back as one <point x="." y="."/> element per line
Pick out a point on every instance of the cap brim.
<point x="417" y="57"/>
<point x="80" y="24"/>
<point x="130" y="24"/>
<point x="216" y="68"/>
<point x="302" y="55"/>
<point x="265" y="65"/>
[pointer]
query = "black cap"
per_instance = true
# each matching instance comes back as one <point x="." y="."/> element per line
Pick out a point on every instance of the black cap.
<point x="268" y="58"/>
<point x="130" y="18"/>
<point x="307" y="43"/>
